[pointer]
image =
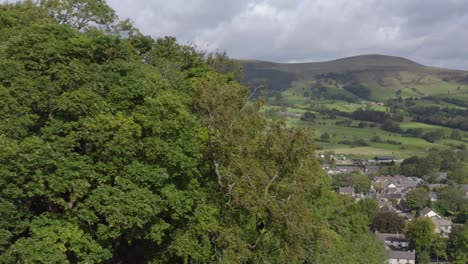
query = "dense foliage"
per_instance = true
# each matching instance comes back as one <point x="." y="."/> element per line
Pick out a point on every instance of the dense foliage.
<point x="457" y="245"/>
<point x="389" y="222"/>
<point x="421" y="235"/>
<point x="117" y="148"/>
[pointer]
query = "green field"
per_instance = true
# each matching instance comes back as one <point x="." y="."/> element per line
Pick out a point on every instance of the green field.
<point x="409" y="145"/>
<point x="324" y="86"/>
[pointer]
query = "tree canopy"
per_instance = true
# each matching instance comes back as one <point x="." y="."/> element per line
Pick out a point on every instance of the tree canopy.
<point x="120" y="148"/>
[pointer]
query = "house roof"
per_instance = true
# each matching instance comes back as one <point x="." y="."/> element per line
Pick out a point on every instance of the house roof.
<point x="396" y="254"/>
<point x="436" y="186"/>
<point x="346" y="190"/>
<point x="390" y="196"/>
<point x="442" y="222"/>
<point x="391" y="237"/>
<point x="425" y="211"/>
<point x="464" y="187"/>
<point x="386" y="158"/>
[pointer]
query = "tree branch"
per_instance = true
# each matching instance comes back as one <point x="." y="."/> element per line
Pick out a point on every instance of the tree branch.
<point x="216" y="167"/>
<point x="248" y="98"/>
<point x="258" y="240"/>
<point x="269" y="183"/>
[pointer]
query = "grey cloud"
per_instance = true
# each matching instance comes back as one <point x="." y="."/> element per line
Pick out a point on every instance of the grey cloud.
<point x="433" y="32"/>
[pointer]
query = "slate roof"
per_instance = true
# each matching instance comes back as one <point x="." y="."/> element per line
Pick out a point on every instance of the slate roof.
<point x="425" y="211"/>
<point x="442" y="222"/>
<point x="386" y="158"/>
<point x="348" y="190"/>
<point x="396" y="254"/>
<point x="391" y="237"/>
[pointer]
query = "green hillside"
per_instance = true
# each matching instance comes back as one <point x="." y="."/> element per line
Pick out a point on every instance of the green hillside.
<point x="427" y="103"/>
<point x="382" y="75"/>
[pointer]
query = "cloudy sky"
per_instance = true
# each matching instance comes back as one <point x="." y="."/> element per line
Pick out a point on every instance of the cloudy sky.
<point x="433" y="32"/>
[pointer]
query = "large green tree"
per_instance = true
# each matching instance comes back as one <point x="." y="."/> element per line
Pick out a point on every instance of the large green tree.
<point x="421" y="235"/>
<point x="389" y="222"/>
<point x="457" y="245"/>
<point x="117" y="148"/>
<point x="416" y="199"/>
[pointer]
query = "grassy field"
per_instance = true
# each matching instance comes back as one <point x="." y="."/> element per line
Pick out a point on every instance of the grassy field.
<point x="385" y="77"/>
<point x="338" y="133"/>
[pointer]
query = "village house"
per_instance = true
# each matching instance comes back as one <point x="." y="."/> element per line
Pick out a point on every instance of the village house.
<point x="464" y="188"/>
<point x="398" y="245"/>
<point x="436" y="187"/>
<point x="402" y="257"/>
<point x="371" y="169"/>
<point x="433" y="196"/>
<point x="393" y="241"/>
<point x="386" y="159"/>
<point x="443" y="226"/>
<point x="343" y="169"/>
<point x="427" y="212"/>
<point x="347" y="191"/>
<point x="399" y="182"/>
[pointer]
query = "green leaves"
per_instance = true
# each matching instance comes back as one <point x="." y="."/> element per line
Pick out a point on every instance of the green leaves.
<point x="55" y="241"/>
<point x="420" y="233"/>
<point x="416" y="199"/>
<point x="81" y="14"/>
<point x="457" y="245"/>
<point x="138" y="150"/>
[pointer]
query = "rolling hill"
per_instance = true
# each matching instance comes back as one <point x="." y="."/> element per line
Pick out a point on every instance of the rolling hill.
<point x="332" y="91"/>
<point x="382" y="75"/>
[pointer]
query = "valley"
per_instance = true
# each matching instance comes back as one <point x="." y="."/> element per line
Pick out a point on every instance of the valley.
<point x="325" y="96"/>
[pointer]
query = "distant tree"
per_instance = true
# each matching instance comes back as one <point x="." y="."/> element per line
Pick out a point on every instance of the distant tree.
<point x="439" y="248"/>
<point x="398" y="93"/>
<point x="398" y="117"/>
<point x="361" y="183"/>
<point x="421" y="235"/>
<point x="360" y="143"/>
<point x="434" y="135"/>
<point x="363" y="124"/>
<point x="341" y="180"/>
<point x="416" y="199"/>
<point x="308" y="116"/>
<point x="376" y="139"/>
<point x="358" y="90"/>
<point x="393" y="201"/>
<point x="414" y="167"/>
<point x="325" y="137"/>
<point x="457" y="244"/>
<point x="389" y="169"/>
<point x="388" y="222"/>
<point x="415" y="132"/>
<point x="391" y="126"/>
<point x="362" y="248"/>
<point x="278" y="97"/>
<point x="456" y="134"/>
<point x="450" y="201"/>
<point x="369" y="207"/>
<point x="458" y="176"/>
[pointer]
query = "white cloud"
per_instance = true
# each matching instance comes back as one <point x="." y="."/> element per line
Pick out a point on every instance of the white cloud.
<point x="433" y="32"/>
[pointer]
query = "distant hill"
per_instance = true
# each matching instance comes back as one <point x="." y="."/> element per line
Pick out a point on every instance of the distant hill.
<point x="373" y="77"/>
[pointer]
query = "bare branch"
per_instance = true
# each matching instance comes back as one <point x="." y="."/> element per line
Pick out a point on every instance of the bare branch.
<point x="258" y="240"/>
<point x="269" y="183"/>
<point x="250" y="96"/>
<point x="216" y="167"/>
